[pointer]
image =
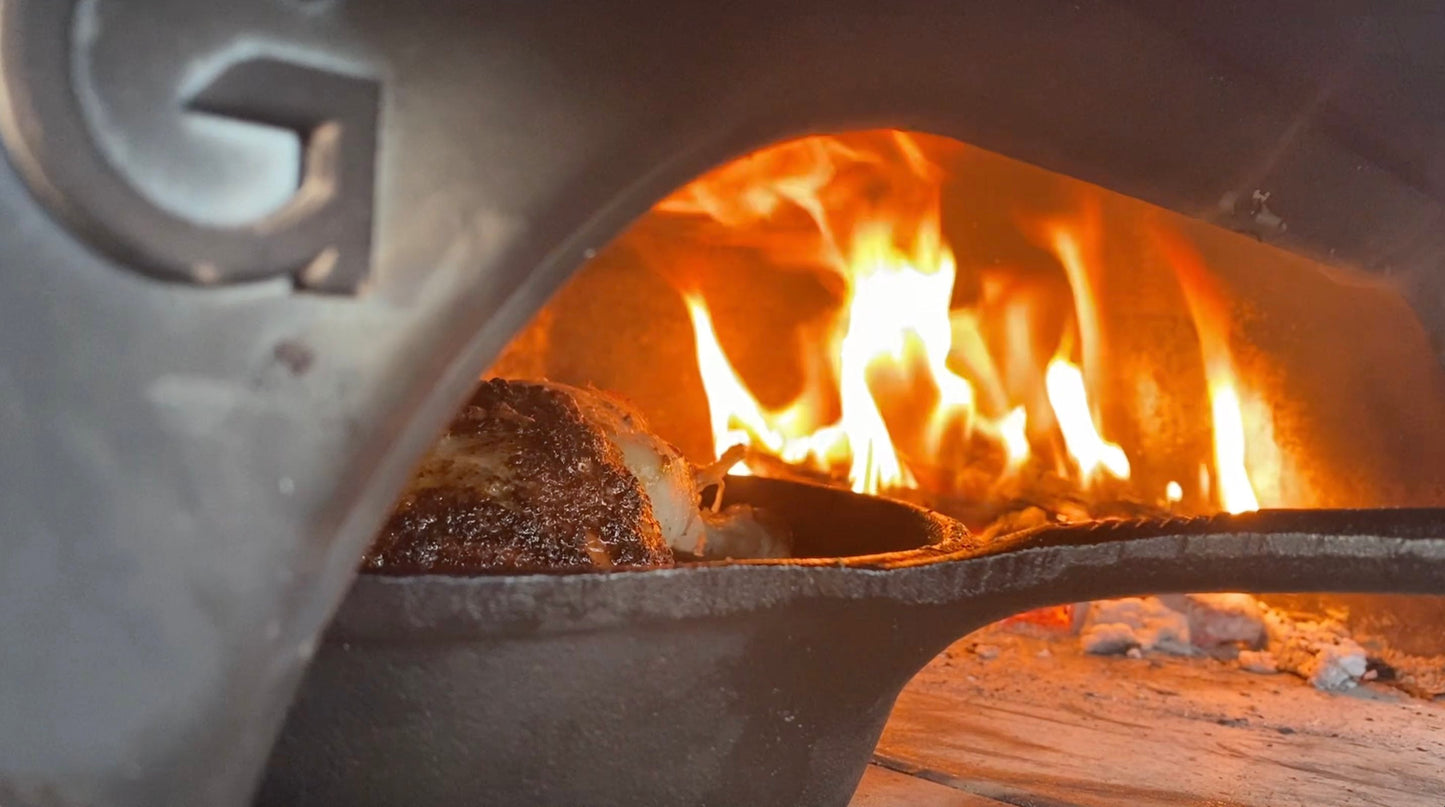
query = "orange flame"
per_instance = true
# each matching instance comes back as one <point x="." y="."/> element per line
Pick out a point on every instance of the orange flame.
<point x="735" y="416"/>
<point x="1013" y="430"/>
<point x="1209" y="310"/>
<point x="1093" y="453"/>
<point x="897" y="331"/>
<point x="1068" y="245"/>
<point x="1067" y="385"/>
<point x="1005" y="381"/>
<point x="1173" y="492"/>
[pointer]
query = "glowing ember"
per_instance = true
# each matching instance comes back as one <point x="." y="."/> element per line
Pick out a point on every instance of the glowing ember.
<point x="909" y="386"/>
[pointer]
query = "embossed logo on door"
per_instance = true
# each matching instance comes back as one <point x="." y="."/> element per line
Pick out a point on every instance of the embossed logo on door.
<point x="321" y="237"/>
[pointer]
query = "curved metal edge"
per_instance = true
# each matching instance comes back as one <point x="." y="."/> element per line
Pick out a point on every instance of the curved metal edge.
<point x="1401" y="551"/>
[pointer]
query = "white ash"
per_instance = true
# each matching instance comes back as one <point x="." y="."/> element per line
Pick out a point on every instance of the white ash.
<point x="1267" y="640"/>
<point x="1146" y="623"/>
<point x="1321" y="652"/>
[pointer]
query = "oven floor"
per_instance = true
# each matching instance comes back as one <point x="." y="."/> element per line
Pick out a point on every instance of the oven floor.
<point x="1006" y="719"/>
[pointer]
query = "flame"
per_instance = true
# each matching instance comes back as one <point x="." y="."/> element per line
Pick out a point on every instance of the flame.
<point x="1235" y="489"/>
<point x="1094" y="454"/>
<point x="736" y="417"/>
<point x="1173" y="492"/>
<point x="1066" y="384"/>
<point x="1210" y="312"/>
<point x="1069" y="246"/>
<point x="896" y="332"/>
<point x="1013" y="430"/>
<point x="911" y="384"/>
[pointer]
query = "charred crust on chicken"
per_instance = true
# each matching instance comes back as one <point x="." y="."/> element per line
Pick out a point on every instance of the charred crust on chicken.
<point x="522" y="481"/>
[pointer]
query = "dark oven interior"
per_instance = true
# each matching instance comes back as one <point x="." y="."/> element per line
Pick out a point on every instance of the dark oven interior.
<point x="1078" y="365"/>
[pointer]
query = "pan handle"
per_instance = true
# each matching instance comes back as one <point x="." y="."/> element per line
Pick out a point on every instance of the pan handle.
<point x="1399" y="551"/>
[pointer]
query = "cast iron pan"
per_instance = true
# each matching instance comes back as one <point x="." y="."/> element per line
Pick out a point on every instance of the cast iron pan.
<point x="740" y="683"/>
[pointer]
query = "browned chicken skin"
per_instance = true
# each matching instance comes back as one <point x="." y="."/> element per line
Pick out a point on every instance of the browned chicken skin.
<point x="522" y="481"/>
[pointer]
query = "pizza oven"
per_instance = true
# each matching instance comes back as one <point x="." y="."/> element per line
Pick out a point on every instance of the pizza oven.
<point x="1004" y="310"/>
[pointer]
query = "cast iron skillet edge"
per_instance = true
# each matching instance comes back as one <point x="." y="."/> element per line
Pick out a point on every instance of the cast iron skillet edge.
<point x="1395" y="550"/>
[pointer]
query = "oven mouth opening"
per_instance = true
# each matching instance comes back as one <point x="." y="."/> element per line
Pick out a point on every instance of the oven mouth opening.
<point x="910" y="351"/>
<point x="900" y="314"/>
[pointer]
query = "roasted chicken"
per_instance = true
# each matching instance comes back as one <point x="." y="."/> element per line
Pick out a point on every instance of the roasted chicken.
<point x="536" y="476"/>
